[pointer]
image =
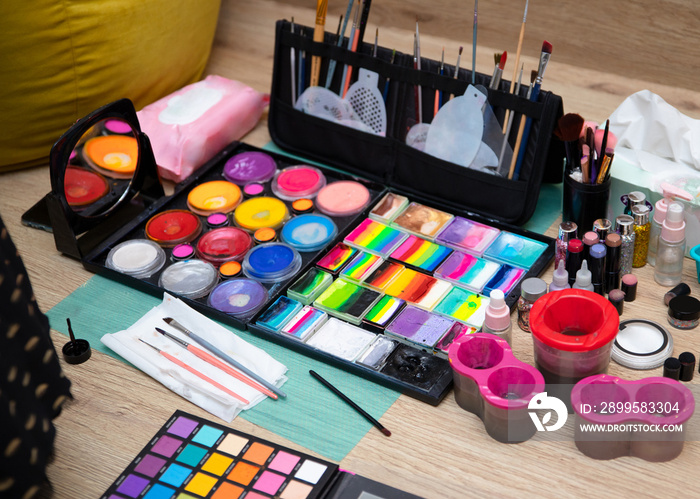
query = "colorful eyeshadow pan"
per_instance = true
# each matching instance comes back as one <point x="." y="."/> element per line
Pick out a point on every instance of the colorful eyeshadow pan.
<point x="420" y="254"/>
<point x="238" y="297"/>
<point x="464" y="306"/>
<point x="264" y="211"/>
<point x="310" y="286"/>
<point x="297" y="490"/>
<point x="311" y="471"/>
<point x="253" y="189"/>
<point x="383" y="275"/>
<point x="243" y="473"/>
<point x="420" y="289"/>
<point x="343" y="198"/>
<point x="419" y="326"/>
<point x="175" y="475"/>
<point x="466" y="235"/>
<point x="182" y="252"/>
<point x="375" y="237"/>
<point x="191" y="455"/>
<point x="297" y="182"/>
<point x="150" y="465"/>
<point x="336" y="258"/>
<point x="271" y="262"/>
<point x="224" y="244"/>
<point x="250" y="166"/>
<point x="182" y="427"/>
<point x="217" y="464"/>
<point x="269" y="482"/>
<point x="505" y="279"/>
<point x="284" y="462"/>
<point x="212" y="197"/>
<point x="422" y="220"/>
<point x="341" y="339"/>
<point x="159" y="491"/>
<point x="305" y="323"/>
<point x="388" y="208"/>
<point x="132" y="485"/>
<point x="383" y="311"/>
<point x="362" y="265"/>
<point x="468" y="271"/>
<point x="279" y="313"/>
<point x="113" y="155"/>
<point x="309" y="232"/>
<point x="83" y="187"/>
<point x="347" y="300"/>
<point x="232" y="444"/>
<point x="166" y="446"/>
<point x="515" y="250"/>
<point x="207" y="435"/>
<point x="258" y="453"/>
<point x="303" y="205"/>
<point x="227" y="490"/>
<point x="265" y="235"/>
<point x="201" y="484"/>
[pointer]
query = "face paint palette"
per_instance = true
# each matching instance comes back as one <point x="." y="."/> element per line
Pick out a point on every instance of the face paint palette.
<point x="420" y="254"/>
<point x="250" y="167"/>
<point x="418" y="326"/>
<point x="310" y="286"/>
<point x="137" y="258"/>
<point x="224" y="244"/>
<point x="375" y="238"/>
<point x="422" y="220"/>
<point x="464" y="306"/>
<point x="347" y="300"/>
<point x="515" y="250"/>
<point x="310" y="232"/>
<point x="422" y="290"/>
<point x="260" y="212"/>
<point x="382" y="312"/>
<point x="238" y="297"/>
<point x="343" y="198"/>
<point x="388" y="208"/>
<point x="467" y="235"/>
<point x="296" y="182"/>
<point x="216" y="196"/>
<point x="377" y="352"/>
<point x="336" y="259"/>
<point x="271" y="262"/>
<point x="279" y="313"/>
<point x="305" y="323"/>
<point x="341" y="340"/>
<point x="361" y="266"/>
<point x="505" y="279"/>
<point x="467" y="271"/>
<point x="385" y="273"/>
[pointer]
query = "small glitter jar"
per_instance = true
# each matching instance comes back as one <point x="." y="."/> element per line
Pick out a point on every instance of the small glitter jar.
<point x="684" y="312"/>
<point x="530" y="291"/>
<point x="624" y="225"/>
<point x="642" y="229"/>
<point x="567" y="231"/>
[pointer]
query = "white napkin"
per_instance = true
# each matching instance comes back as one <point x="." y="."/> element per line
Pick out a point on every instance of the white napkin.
<point x="126" y="343"/>
<point x="656" y="137"/>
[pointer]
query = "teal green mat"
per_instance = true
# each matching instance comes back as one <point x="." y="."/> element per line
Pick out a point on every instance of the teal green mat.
<point x="311" y="415"/>
<point x="548" y="204"/>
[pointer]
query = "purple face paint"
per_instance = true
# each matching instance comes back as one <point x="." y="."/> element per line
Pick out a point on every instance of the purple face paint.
<point x="249" y="167"/>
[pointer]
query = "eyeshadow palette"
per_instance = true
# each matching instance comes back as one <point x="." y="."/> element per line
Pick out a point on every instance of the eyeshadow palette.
<point x="322" y="263"/>
<point x="193" y="458"/>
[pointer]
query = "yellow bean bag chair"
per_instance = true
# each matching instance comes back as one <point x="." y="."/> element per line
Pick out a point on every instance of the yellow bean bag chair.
<point x="59" y="60"/>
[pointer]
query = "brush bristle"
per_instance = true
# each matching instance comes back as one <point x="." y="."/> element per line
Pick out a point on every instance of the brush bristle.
<point x="502" y="63"/>
<point x="533" y="76"/>
<point x="569" y="127"/>
<point x="497" y="58"/>
<point x="546" y="47"/>
<point x="168" y="319"/>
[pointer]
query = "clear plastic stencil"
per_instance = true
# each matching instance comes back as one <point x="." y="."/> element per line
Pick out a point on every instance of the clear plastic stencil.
<point x="367" y="102"/>
<point x="326" y="104"/>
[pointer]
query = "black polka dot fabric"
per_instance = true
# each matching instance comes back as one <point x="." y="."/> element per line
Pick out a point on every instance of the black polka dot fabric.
<point x="32" y="385"/>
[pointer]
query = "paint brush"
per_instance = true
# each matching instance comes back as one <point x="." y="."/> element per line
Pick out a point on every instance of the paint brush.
<point x="603" y="144"/>
<point x="203" y="376"/>
<point x="417" y="66"/>
<point x="363" y="19"/>
<point x="224" y="356"/>
<point x="319" y="34"/>
<point x="498" y="70"/>
<point x="388" y="79"/>
<point x="476" y="8"/>
<point x="456" y="75"/>
<point x="341" y="35"/>
<point x="352" y="46"/>
<point x="217" y="363"/>
<point x="352" y="404"/>
<point x="509" y="125"/>
<point x="568" y="130"/>
<point x="517" y="61"/>
<point x="545" y="55"/>
<point x="521" y="130"/>
<point x="293" y="64"/>
<point x="438" y="93"/>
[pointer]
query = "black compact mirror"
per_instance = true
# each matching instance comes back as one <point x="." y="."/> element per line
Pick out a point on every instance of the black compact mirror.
<point x="103" y="174"/>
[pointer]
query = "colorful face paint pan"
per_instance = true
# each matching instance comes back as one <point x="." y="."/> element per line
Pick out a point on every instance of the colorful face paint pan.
<point x="310" y="286"/>
<point x="419" y="326"/>
<point x="375" y="237"/>
<point x="238" y="297"/>
<point x="515" y="250"/>
<point x="298" y="182"/>
<point x="382" y="312"/>
<point x="259" y="212"/>
<point x="341" y="339"/>
<point x="362" y="265"/>
<point x="272" y="262"/>
<point x="347" y="300"/>
<point x="212" y="197"/>
<point x="467" y="271"/>
<point x="279" y="313"/>
<point x="383" y="275"/>
<point x="343" y="198"/>
<point x="83" y="187"/>
<point x="466" y="235"/>
<point x="420" y="289"/>
<point x="377" y="352"/>
<point x="223" y="245"/>
<point x="250" y="166"/>
<point x="420" y="254"/>
<point x="336" y="258"/>
<point x="173" y="227"/>
<point x="464" y="306"/>
<point x="305" y="323"/>
<point x="388" y="208"/>
<point x="422" y="220"/>
<point x="115" y="156"/>
<point x="309" y="232"/>
<point x="505" y="279"/>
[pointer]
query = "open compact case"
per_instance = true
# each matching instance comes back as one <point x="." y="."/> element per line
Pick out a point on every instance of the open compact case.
<point x="337" y="267"/>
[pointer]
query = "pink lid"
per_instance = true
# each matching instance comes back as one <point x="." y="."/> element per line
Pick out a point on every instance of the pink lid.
<point x="673" y="228"/>
<point x="497" y="313"/>
<point x="660" y="210"/>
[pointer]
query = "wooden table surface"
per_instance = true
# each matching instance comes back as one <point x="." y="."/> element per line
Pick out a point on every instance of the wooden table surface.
<point x="434" y="451"/>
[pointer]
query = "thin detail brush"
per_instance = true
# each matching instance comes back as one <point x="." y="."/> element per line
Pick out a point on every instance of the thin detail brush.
<point x="476" y="8"/>
<point x="418" y="67"/>
<point x="509" y="126"/>
<point x="456" y="75"/>
<point x="521" y="130"/>
<point x="293" y="67"/>
<point x="341" y="35"/>
<point x="319" y="35"/>
<point x="517" y="61"/>
<point x="352" y="48"/>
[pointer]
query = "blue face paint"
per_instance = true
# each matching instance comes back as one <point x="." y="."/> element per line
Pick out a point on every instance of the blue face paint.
<point x="272" y="262"/>
<point x="309" y="232"/>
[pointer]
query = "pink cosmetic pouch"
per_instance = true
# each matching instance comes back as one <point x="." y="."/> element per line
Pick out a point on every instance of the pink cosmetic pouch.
<point x="189" y="126"/>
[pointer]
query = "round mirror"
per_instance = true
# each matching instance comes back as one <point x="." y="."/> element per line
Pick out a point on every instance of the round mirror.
<point x="101" y="167"/>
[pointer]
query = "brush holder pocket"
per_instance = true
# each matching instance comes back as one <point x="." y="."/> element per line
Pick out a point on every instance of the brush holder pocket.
<point x="583" y="204"/>
<point x="573" y="331"/>
<point x="491" y="383"/>
<point x="616" y="417"/>
<point x="386" y="157"/>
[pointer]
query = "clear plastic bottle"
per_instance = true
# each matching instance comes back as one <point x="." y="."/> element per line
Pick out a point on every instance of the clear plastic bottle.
<point x="497" y="319"/>
<point x="671" y="251"/>
<point x="583" y="278"/>
<point x="560" y="278"/>
<point x="655" y="231"/>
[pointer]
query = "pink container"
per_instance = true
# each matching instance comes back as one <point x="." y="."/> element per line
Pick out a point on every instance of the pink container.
<point x="494" y="385"/>
<point x="632" y="417"/>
